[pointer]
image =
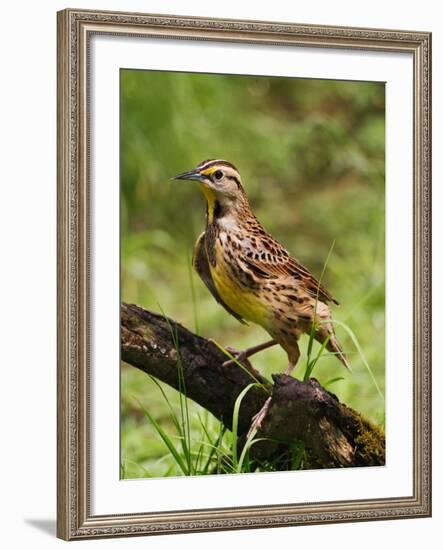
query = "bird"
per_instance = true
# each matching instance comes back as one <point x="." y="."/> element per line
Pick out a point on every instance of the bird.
<point x="252" y="275"/>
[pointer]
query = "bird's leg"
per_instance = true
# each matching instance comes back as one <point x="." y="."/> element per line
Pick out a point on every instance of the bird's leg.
<point x="289" y="368"/>
<point x="242" y="356"/>
<point x="293" y="357"/>
<point x="258" y="418"/>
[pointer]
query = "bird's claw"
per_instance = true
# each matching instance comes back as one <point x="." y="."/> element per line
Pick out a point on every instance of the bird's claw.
<point x="257" y="419"/>
<point x="239" y="357"/>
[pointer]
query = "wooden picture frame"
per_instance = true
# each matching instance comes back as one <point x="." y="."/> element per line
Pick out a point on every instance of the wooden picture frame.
<point x="75" y="29"/>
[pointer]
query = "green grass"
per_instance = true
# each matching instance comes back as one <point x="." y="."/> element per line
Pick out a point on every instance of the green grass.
<point x="211" y="450"/>
<point x="311" y="155"/>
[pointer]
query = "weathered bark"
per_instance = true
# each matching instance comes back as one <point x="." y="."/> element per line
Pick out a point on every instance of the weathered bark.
<point x="302" y="414"/>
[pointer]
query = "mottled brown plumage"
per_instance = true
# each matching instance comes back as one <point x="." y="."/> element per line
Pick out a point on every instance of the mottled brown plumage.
<point x="250" y="273"/>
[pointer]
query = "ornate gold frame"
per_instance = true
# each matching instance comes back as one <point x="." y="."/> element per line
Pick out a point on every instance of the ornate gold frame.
<point x="75" y="27"/>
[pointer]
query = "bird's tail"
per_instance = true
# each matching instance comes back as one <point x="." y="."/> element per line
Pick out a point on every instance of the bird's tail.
<point x="334" y="346"/>
<point x="326" y="330"/>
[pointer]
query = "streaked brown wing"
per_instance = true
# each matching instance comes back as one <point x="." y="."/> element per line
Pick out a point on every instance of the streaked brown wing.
<point x="267" y="265"/>
<point x="201" y="265"/>
<point x="311" y="282"/>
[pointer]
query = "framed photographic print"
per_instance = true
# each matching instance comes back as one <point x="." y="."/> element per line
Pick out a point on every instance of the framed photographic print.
<point x="243" y="274"/>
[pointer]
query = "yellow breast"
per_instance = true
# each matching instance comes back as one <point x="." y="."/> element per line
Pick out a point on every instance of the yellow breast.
<point x="241" y="300"/>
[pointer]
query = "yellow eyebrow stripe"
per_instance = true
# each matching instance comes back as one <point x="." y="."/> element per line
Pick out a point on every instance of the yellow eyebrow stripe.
<point x="209" y="170"/>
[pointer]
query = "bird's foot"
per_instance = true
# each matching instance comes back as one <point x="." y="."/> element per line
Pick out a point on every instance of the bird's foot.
<point x="239" y="357"/>
<point x="242" y="356"/>
<point x="257" y="419"/>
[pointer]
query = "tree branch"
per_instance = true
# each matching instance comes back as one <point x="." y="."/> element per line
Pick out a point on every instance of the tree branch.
<point x="301" y="413"/>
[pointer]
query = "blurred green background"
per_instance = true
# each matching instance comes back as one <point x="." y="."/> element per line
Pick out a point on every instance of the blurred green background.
<point x="311" y="156"/>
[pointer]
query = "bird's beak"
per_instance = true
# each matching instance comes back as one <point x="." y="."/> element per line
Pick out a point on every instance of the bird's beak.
<point x="191" y="175"/>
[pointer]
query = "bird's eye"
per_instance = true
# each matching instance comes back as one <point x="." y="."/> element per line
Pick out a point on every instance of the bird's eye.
<point x="218" y="174"/>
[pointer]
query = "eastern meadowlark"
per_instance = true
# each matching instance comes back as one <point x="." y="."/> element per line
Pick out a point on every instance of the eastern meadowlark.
<point x="252" y="275"/>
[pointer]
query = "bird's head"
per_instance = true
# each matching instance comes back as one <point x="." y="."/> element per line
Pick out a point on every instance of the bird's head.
<point x="221" y="184"/>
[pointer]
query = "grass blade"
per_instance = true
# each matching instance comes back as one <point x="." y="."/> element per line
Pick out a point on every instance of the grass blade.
<point x="165" y="397"/>
<point x="166" y="439"/>
<point x="333" y="381"/>
<point x="232" y="358"/>
<point x="235" y="414"/>
<point x="312" y="364"/>
<point x="362" y="355"/>
<point x="309" y="366"/>
<point x="193" y="296"/>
